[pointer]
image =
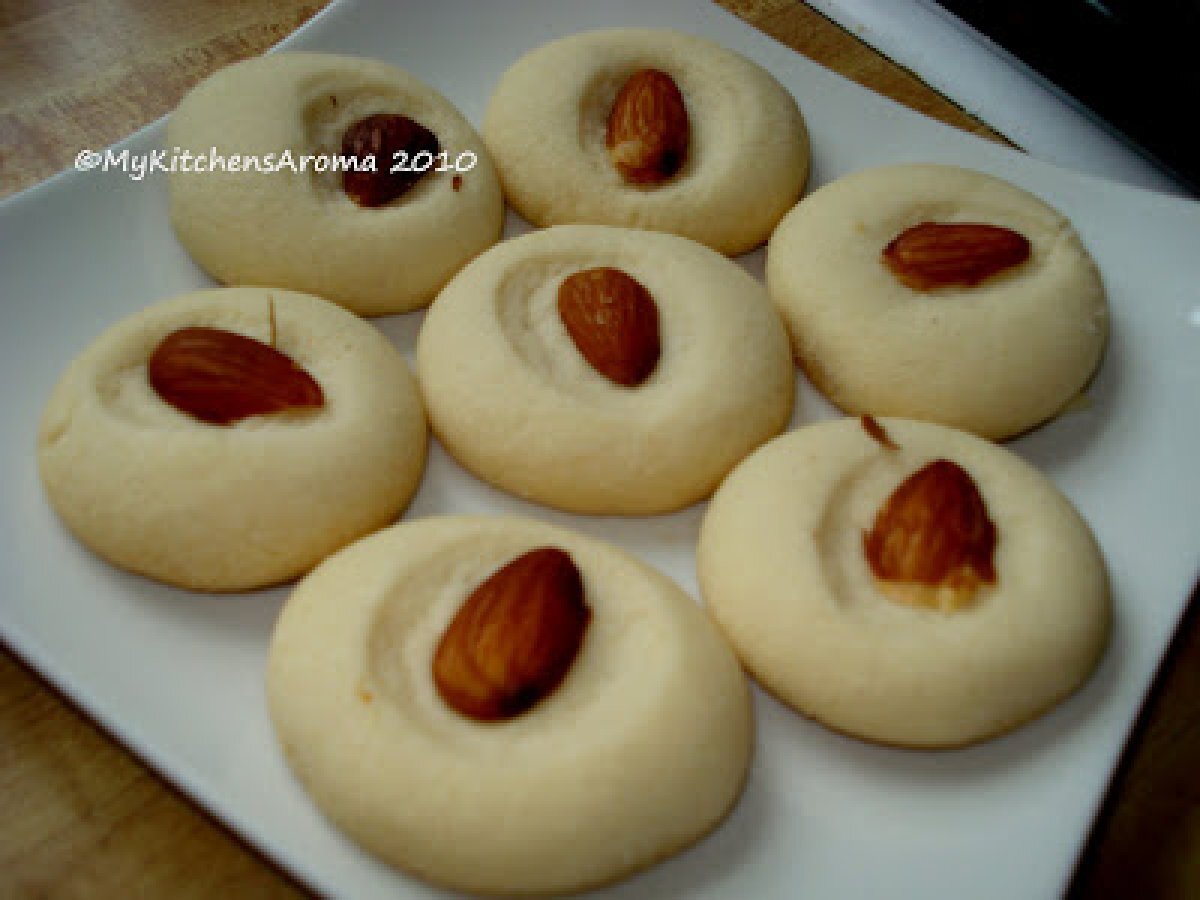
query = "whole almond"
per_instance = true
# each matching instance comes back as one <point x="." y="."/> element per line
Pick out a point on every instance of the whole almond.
<point x="648" y="129"/>
<point x="932" y="255"/>
<point x="933" y="532"/>
<point x="613" y="321"/>
<point x="383" y="138"/>
<point x="514" y="639"/>
<point x="220" y="376"/>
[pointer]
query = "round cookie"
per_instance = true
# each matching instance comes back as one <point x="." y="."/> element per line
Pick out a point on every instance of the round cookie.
<point x="746" y="159"/>
<point x="783" y="569"/>
<point x="996" y="358"/>
<point x="228" y="507"/>
<point x="515" y="401"/>
<point x="640" y="750"/>
<point x="296" y="227"/>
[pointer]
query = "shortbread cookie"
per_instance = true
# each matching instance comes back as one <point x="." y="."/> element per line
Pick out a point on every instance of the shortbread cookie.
<point x="938" y="293"/>
<point x="932" y="593"/>
<point x="525" y="401"/>
<point x="182" y="446"/>
<point x="648" y="129"/>
<point x="638" y="748"/>
<point x="381" y="243"/>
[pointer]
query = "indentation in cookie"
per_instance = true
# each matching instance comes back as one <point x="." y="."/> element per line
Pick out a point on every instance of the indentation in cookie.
<point x="514" y="638"/>
<point x="613" y="321"/>
<point x="835" y="538"/>
<point x="648" y="131"/>
<point x="423" y="601"/>
<point x="527" y="305"/>
<point x="122" y="383"/>
<point x="933" y="542"/>
<point x="221" y="377"/>
<point x="56" y="421"/>
<point x="851" y="515"/>
<point x="596" y="105"/>
<point x="400" y="645"/>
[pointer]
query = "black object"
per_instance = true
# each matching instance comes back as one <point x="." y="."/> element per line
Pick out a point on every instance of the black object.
<point x="1133" y="64"/>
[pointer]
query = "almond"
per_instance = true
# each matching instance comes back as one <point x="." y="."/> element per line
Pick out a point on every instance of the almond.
<point x="391" y="141"/>
<point x="942" y="254"/>
<point x="514" y="639"/>
<point x="220" y="377"/>
<point x="613" y="321"/>
<point x="932" y="543"/>
<point x="648" y="130"/>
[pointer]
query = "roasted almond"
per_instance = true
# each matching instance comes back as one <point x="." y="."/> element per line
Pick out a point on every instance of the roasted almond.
<point x="648" y="130"/>
<point x="220" y="376"/>
<point x="514" y="639"/>
<point x="613" y="321"/>
<point x="391" y="142"/>
<point x="933" y="255"/>
<point x="933" y="543"/>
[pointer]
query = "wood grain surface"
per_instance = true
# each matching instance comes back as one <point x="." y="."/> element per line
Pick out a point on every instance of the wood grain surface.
<point x="79" y="815"/>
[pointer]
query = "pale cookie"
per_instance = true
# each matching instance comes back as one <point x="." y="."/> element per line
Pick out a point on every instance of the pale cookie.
<point x="732" y="164"/>
<point x="784" y="568"/>
<point x="995" y="357"/>
<point x="301" y="229"/>
<point x="154" y="488"/>
<point x="515" y="400"/>
<point x="641" y="748"/>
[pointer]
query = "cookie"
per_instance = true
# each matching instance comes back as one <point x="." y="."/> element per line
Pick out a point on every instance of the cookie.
<point x="710" y="146"/>
<point x="176" y="447"/>
<point x="999" y="335"/>
<point x="639" y="748"/>
<point x="374" y="243"/>
<point x="931" y="594"/>
<point x="514" y="396"/>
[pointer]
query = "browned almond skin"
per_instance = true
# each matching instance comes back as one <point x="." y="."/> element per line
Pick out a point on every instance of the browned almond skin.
<point x="877" y="432"/>
<point x="932" y="255"/>
<point x="514" y="639"/>
<point x="613" y="321"/>
<point x="383" y="137"/>
<point x="220" y="377"/>
<point x="935" y="530"/>
<point x="648" y="129"/>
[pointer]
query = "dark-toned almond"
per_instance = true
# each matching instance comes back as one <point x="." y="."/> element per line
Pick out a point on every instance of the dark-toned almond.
<point x="613" y="321"/>
<point x="932" y="255"/>
<point x="934" y="531"/>
<point x="392" y="141"/>
<point x="648" y="130"/>
<point x="514" y="639"/>
<point x="221" y="377"/>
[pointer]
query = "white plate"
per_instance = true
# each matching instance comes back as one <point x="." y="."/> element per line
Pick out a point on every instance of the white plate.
<point x="177" y="676"/>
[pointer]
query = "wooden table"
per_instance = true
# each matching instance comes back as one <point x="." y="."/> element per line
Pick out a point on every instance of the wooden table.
<point x="79" y="816"/>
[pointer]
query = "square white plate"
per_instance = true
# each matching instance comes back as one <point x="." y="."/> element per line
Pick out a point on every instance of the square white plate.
<point x="177" y="676"/>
